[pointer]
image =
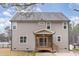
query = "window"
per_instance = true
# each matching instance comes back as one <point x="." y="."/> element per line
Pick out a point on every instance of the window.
<point x="42" y="42"/>
<point x="14" y="27"/>
<point x="23" y="39"/>
<point x="48" y="25"/>
<point x="41" y="24"/>
<point x="59" y="38"/>
<point x="65" y="26"/>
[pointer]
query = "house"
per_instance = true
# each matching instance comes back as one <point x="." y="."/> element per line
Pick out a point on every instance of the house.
<point x="5" y="45"/>
<point x="40" y="31"/>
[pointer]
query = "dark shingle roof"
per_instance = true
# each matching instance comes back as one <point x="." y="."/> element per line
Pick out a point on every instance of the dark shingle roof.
<point x="39" y="16"/>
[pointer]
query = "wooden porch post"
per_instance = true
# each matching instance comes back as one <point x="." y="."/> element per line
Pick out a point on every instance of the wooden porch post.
<point x="35" y="42"/>
<point x="52" y="42"/>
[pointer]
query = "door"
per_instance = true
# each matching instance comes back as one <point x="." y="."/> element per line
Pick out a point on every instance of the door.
<point x="43" y="42"/>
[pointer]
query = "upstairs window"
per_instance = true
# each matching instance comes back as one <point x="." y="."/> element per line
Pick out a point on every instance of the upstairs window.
<point x="48" y="25"/>
<point x="14" y="25"/>
<point x="65" y="26"/>
<point x="41" y="25"/>
<point x="23" y="39"/>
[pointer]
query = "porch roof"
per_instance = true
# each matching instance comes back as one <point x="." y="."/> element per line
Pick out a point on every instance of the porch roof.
<point x="44" y="31"/>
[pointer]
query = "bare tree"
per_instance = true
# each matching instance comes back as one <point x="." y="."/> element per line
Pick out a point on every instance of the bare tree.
<point x="20" y="6"/>
<point x="76" y="10"/>
<point x="8" y="33"/>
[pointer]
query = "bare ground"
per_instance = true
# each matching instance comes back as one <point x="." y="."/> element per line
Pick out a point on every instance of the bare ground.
<point x="8" y="52"/>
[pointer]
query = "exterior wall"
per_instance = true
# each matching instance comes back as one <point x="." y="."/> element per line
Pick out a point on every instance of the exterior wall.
<point x="24" y="29"/>
<point x="63" y="33"/>
<point x="27" y="29"/>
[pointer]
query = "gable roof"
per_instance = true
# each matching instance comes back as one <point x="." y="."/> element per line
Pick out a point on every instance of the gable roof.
<point x="26" y="16"/>
<point x="44" y="31"/>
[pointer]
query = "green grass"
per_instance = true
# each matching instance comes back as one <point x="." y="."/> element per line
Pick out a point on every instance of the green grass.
<point x="76" y="49"/>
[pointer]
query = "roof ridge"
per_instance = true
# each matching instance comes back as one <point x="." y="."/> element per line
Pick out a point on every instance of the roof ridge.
<point x="39" y="12"/>
<point x="38" y="15"/>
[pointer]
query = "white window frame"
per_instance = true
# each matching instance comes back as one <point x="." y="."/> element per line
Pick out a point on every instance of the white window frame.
<point x="44" y="44"/>
<point x="47" y="24"/>
<point x="23" y="39"/>
<point x="65" y="24"/>
<point x="41" y="23"/>
<point x="14" y="24"/>
<point x="60" y="38"/>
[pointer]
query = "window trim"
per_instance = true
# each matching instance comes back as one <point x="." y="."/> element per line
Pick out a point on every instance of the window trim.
<point x="58" y="38"/>
<point x="23" y="40"/>
<point x="14" y="27"/>
<point x="47" y="25"/>
<point x="41" y="24"/>
<point x="14" y="24"/>
<point x="65" y="25"/>
<point x="43" y="43"/>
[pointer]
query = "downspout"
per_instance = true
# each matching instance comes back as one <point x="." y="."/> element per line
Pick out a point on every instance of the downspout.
<point x="11" y="35"/>
<point x="68" y="37"/>
<point x="52" y="42"/>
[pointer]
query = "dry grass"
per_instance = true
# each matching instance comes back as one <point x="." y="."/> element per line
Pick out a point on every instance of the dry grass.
<point x="8" y="52"/>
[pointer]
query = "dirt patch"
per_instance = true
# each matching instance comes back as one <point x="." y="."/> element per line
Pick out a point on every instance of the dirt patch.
<point x="8" y="52"/>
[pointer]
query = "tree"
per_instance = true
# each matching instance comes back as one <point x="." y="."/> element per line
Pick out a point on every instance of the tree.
<point x="8" y="33"/>
<point x="74" y="33"/>
<point x="76" y="10"/>
<point x="3" y="38"/>
<point x="20" y="6"/>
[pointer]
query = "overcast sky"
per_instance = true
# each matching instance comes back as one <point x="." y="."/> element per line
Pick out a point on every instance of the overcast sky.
<point x="66" y="8"/>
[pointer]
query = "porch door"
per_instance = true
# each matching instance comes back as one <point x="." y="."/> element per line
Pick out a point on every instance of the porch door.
<point x="43" y="42"/>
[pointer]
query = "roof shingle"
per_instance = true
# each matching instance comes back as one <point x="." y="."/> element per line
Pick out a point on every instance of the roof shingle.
<point x="39" y="16"/>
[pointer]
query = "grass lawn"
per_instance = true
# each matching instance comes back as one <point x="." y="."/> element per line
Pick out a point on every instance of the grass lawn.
<point x="8" y="52"/>
<point x="76" y="49"/>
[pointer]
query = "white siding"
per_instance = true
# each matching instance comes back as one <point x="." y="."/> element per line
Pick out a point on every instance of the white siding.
<point x="27" y="29"/>
<point x="59" y="30"/>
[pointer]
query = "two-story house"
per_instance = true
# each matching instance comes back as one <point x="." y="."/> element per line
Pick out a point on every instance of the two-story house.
<point x="39" y="31"/>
